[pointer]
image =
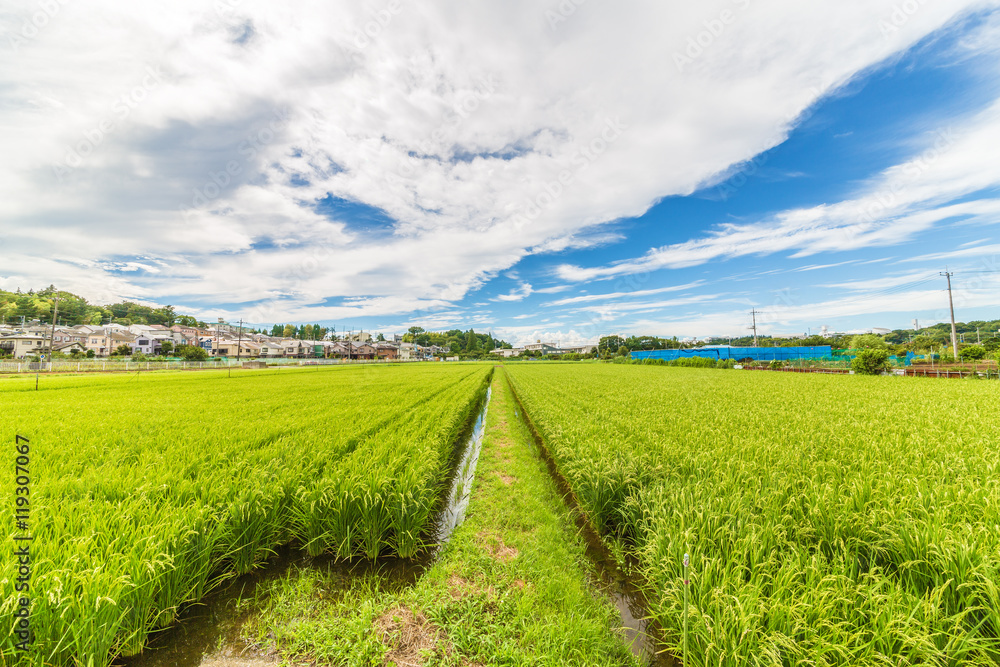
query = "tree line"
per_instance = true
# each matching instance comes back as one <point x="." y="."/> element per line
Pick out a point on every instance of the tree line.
<point x="74" y="310"/>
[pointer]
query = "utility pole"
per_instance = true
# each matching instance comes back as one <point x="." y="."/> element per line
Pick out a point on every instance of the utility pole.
<point x="52" y="335"/>
<point x="951" y="304"/>
<point x="239" y="346"/>
<point x="754" y="327"/>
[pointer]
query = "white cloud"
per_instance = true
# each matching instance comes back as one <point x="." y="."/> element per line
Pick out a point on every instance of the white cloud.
<point x="456" y="119"/>
<point x="903" y="201"/>
<point x="613" y="296"/>
<point x="978" y="251"/>
<point x="518" y="294"/>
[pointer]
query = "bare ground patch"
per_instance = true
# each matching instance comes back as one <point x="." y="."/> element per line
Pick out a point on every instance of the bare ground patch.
<point x="495" y="547"/>
<point x="506" y="479"/>
<point x="410" y="638"/>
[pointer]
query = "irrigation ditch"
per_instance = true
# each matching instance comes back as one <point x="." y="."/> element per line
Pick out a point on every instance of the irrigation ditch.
<point x="210" y="633"/>
<point x="623" y="588"/>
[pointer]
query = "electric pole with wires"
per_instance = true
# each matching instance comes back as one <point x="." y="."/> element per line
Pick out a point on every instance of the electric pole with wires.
<point x="951" y="305"/>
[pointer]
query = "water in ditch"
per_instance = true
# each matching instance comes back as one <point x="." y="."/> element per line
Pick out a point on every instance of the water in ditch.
<point x="209" y="633"/>
<point x="617" y="585"/>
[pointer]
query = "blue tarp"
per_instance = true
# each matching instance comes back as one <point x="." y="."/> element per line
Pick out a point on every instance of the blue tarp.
<point x="755" y="353"/>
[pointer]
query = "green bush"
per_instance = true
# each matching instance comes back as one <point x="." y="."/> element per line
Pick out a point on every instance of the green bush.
<point x="871" y="362"/>
<point x="192" y="353"/>
<point x="868" y="342"/>
<point x="776" y="365"/>
<point x="973" y="353"/>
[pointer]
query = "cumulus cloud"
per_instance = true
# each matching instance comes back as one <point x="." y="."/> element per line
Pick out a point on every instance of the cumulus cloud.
<point x="202" y="137"/>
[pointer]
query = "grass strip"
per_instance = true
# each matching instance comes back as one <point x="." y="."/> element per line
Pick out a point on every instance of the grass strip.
<point x="512" y="586"/>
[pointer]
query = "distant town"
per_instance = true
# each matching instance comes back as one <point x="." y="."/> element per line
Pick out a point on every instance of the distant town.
<point x="82" y="330"/>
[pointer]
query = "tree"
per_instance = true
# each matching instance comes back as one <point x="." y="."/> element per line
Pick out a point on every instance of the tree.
<point x="972" y="353"/>
<point x="192" y="353"/>
<point x="380" y="338"/>
<point x="415" y="330"/>
<point x="870" y="362"/>
<point x="277" y="330"/>
<point x="610" y="344"/>
<point x="288" y="331"/>
<point x="166" y="347"/>
<point x="307" y="332"/>
<point x="471" y="341"/>
<point x="868" y="342"/>
<point x="122" y="351"/>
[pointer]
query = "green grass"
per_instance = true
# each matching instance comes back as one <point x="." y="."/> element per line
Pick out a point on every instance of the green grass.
<point x="831" y="520"/>
<point x="512" y="586"/>
<point x="148" y="490"/>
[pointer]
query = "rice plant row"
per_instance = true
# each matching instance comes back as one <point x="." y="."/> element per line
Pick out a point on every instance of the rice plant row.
<point x="148" y="490"/>
<point x="831" y="520"/>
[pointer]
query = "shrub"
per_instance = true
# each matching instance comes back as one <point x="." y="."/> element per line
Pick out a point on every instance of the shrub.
<point x="973" y="353"/>
<point x="192" y="353"/>
<point x="776" y="365"/>
<point x="868" y="342"/>
<point x="871" y="362"/>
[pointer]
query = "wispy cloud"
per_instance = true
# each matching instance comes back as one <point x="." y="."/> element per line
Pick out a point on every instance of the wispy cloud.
<point x="518" y="294"/>
<point x="929" y="189"/>
<point x="614" y="296"/>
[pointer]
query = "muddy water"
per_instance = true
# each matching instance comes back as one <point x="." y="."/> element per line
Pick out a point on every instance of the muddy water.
<point x="623" y="591"/>
<point x="209" y="633"/>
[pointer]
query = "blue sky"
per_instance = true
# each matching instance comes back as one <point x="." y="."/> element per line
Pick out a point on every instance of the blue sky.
<point x="622" y="169"/>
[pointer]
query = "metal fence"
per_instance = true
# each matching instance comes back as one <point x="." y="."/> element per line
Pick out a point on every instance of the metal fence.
<point x="109" y="365"/>
<point x="738" y="353"/>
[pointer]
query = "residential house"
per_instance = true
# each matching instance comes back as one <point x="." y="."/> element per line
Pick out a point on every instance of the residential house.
<point x="386" y="351"/>
<point x="543" y="348"/>
<point x="236" y="348"/>
<point x="359" y="337"/>
<point x="144" y="344"/>
<point x="272" y="348"/>
<point x="69" y="348"/>
<point x="24" y="345"/>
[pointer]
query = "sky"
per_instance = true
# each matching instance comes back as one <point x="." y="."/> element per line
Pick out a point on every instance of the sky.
<point x="551" y="171"/>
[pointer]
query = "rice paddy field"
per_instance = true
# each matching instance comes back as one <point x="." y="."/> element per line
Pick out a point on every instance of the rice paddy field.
<point x="831" y="520"/>
<point x="147" y="490"/>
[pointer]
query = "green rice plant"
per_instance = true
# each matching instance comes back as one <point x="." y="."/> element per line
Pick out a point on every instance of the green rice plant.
<point x="830" y="520"/>
<point x="139" y="510"/>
